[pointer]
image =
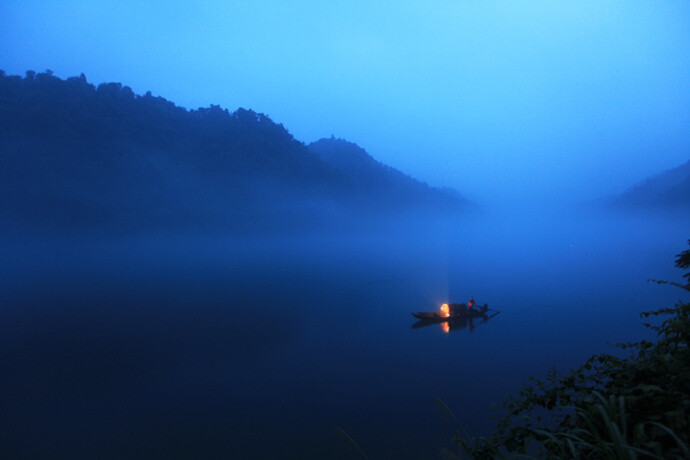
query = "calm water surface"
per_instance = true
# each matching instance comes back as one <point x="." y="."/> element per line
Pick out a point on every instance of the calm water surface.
<point x="260" y="348"/>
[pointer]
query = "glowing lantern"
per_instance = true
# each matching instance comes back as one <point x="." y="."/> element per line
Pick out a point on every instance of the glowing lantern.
<point x="445" y="311"/>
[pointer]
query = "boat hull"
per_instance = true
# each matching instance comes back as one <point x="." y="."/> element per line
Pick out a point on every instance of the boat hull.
<point x="437" y="317"/>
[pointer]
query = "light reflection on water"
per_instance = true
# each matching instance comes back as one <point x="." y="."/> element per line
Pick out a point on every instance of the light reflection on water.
<point x="197" y="347"/>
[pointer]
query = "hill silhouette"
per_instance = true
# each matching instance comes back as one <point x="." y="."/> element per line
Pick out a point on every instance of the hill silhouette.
<point x="79" y="156"/>
<point x="368" y="177"/>
<point x="668" y="190"/>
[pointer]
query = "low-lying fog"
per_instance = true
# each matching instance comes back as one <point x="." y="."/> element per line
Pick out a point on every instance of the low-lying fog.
<point x="187" y="346"/>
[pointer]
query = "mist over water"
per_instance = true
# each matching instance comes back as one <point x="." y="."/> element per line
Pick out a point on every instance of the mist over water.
<point x="259" y="347"/>
<point x="203" y="252"/>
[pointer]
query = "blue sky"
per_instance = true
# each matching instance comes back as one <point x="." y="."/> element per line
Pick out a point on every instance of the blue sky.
<point x="504" y="100"/>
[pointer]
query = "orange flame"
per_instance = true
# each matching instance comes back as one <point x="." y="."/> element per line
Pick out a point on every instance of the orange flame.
<point x="446" y="327"/>
<point x="445" y="311"/>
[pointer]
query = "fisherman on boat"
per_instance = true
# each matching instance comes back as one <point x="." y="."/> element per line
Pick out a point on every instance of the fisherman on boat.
<point x="471" y="304"/>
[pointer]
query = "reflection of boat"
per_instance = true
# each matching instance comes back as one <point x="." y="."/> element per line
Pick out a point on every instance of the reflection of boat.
<point x="454" y="317"/>
<point x="455" y="312"/>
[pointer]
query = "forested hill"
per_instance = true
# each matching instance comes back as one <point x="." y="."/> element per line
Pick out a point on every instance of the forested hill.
<point x="373" y="178"/>
<point x="668" y="190"/>
<point x="72" y="154"/>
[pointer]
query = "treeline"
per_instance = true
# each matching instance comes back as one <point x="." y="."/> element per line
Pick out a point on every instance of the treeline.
<point x="102" y="156"/>
<point x="369" y="177"/>
<point x="73" y="110"/>
<point x="668" y="190"/>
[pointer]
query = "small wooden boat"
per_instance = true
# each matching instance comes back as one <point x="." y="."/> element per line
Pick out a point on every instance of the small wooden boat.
<point x="454" y="313"/>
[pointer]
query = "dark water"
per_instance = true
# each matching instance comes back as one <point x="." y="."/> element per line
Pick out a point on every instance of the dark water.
<point x="191" y="347"/>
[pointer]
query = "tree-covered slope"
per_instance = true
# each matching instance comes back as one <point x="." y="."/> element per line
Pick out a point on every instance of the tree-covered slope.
<point x="72" y="154"/>
<point x="670" y="189"/>
<point x="369" y="177"/>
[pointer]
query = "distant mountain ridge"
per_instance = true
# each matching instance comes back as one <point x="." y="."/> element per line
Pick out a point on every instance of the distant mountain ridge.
<point x="669" y="189"/>
<point x="368" y="176"/>
<point x="73" y="154"/>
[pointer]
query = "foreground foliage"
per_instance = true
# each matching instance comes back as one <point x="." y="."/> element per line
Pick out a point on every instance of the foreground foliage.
<point x="610" y="407"/>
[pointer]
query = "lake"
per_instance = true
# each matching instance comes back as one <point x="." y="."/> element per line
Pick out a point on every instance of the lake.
<point x="209" y="347"/>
